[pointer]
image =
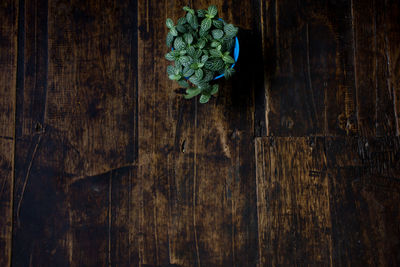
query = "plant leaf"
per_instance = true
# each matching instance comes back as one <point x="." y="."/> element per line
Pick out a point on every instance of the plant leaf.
<point x="188" y="73"/>
<point x="170" y="70"/>
<point x="185" y="69"/>
<point x="208" y="76"/>
<point x="212" y="11"/>
<point x="228" y="59"/>
<point x="188" y="37"/>
<point x="215" y="43"/>
<point x="191" y="51"/>
<point x="175" y="53"/>
<point x="170" y="39"/>
<point x="214" y="89"/>
<point x="177" y="68"/>
<point x="169" y="56"/>
<point x="195" y="23"/>
<point x="201" y="13"/>
<point x="183" y="83"/>
<point x="228" y="43"/>
<point x="230" y="30"/>
<point x="194" y="66"/>
<point x="205" y="25"/>
<point x="203" y="34"/>
<point x="181" y="28"/>
<point x="204" y="99"/>
<point x="179" y="43"/>
<point x="201" y="43"/>
<point x="215" y="53"/>
<point x="218" y="24"/>
<point x="214" y="64"/>
<point x="197" y="54"/>
<point x="204" y="58"/>
<point x="173" y="31"/>
<point x="194" y="80"/>
<point x="188" y="9"/>
<point x="199" y="74"/>
<point x="184" y="60"/>
<point x="170" y="23"/>
<point x="175" y="77"/>
<point x="217" y="33"/>
<point x="204" y="85"/>
<point x="192" y="20"/>
<point x="189" y="17"/>
<point x="229" y="72"/>
<point x="192" y="92"/>
<point x="182" y="21"/>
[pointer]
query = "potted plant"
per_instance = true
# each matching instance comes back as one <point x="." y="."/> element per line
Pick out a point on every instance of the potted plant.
<point x="204" y="48"/>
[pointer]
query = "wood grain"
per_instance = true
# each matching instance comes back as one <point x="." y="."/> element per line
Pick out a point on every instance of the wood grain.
<point x="157" y="104"/>
<point x="392" y="56"/>
<point x="8" y="71"/>
<point x="103" y="163"/>
<point x="311" y="87"/>
<point x="375" y="93"/>
<point x="294" y="219"/>
<point x="364" y="192"/>
<point x="76" y="125"/>
<point x="194" y="162"/>
<point x="328" y="201"/>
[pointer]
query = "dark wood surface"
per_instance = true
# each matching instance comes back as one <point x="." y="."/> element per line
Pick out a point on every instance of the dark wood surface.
<point x="296" y="162"/>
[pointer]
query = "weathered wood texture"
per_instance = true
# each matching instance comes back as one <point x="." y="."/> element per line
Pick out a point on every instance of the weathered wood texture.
<point x="293" y="202"/>
<point x="8" y="70"/>
<point x="331" y="67"/>
<point x="76" y="131"/>
<point x="328" y="201"/>
<point x="103" y="163"/>
<point x="195" y="161"/>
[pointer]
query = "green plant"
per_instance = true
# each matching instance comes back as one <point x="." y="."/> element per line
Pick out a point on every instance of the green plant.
<point x="202" y="46"/>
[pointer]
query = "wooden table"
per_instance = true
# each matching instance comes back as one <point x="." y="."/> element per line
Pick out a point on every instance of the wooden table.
<point x="295" y="163"/>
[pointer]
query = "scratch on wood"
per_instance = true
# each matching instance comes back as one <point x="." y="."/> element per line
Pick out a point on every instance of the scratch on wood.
<point x="194" y="185"/>
<point x="26" y="178"/>
<point x="260" y="172"/>
<point x="389" y="82"/>
<point x="376" y="72"/>
<point x="355" y="65"/>
<point x="349" y="110"/>
<point x="109" y="217"/>
<point x="277" y="35"/>
<point x="81" y="177"/>
<point x="2" y="187"/>
<point x="155" y="219"/>
<point x="309" y="70"/>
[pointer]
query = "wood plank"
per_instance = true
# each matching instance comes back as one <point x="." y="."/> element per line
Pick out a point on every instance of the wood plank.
<point x="91" y="81"/>
<point x="311" y="87"/>
<point x="124" y="211"/>
<point x="293" y="202"/>
<point x="329" y="201"/>
<point x="195" y="161"/>
<point x="157" y="105"/>
<point x="375" y="99"/>
<point x="364" y="195"/>
<point x="392" y="56"/>
<point x="8" y="77"/>
<point x="31" y="96"/>
<point x="224" y="164"/>
<point x="76" y="129"/>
